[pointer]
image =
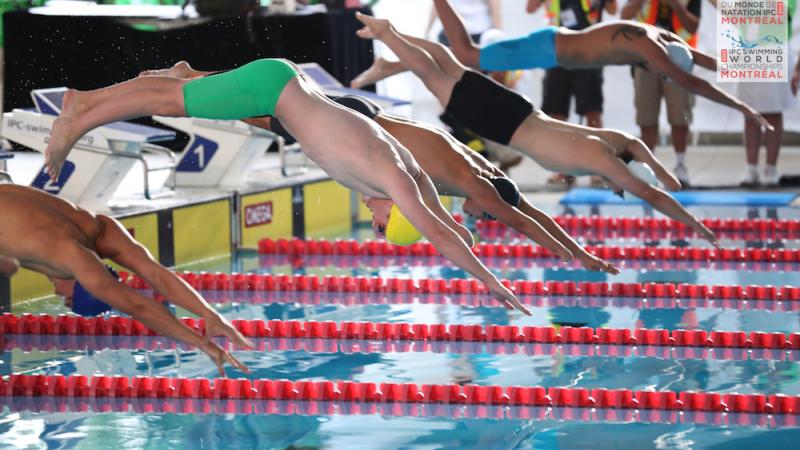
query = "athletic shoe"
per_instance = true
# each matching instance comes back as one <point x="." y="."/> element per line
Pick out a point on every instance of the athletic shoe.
<point x="750" y="177"/>
<point x="682" y="173"/>
<point x="771" y="177"/>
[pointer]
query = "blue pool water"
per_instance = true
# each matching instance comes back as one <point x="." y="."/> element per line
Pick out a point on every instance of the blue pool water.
<point x="315" y="426"/>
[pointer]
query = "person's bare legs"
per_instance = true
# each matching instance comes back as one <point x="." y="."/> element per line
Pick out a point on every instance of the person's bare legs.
<point x="772" y="140"/>
<point x="379" y="70"/>
<point x="752" y="145"/>
<point x="83" y="111"/>
<point x="415" y="58"/>
<point x="445" y="59"/>
<point x="649" y="136"/>
<point x="382" y="69"/>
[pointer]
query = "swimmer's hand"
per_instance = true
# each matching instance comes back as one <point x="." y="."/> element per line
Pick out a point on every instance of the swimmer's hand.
<point x="221" y="356"/>
<point x="374" y="28"/>
<point x="593" y="263"/>
<point x="708" y="235"/>
<point x="218" y="326"/>
<point x="507" y="298"/>
<point x="753" y="114"/>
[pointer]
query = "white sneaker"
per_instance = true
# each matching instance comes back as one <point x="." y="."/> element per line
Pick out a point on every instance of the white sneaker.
<point x="682" y="173"/>
<point x="771" y="177"/>
<point x="750" y="177"/>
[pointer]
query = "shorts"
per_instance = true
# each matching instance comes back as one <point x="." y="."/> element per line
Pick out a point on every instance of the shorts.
<point x="250" y="91"/>
<point x="649" y="88"/>
<point x="560" y="85"/>
<point x="534" y="51"/>
<point x="487" y="108"/>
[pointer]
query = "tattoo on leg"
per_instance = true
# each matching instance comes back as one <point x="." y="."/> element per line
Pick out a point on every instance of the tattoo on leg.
<point x="629" y="32"/>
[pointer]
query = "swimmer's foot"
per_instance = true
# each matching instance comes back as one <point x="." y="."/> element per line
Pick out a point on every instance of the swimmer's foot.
<point x="181" y="69"/>
<point x="374" y="28"/>
<point x="376" y="72"/>
<point x="59" y="146"/>
<point x="64" y="133"/>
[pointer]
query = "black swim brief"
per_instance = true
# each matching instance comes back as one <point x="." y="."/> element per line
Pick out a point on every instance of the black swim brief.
<point x="487" y="108"/>
<point x="358" y="104"/>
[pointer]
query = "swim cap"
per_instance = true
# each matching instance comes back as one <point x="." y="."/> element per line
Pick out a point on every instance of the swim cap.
<point x="507" y="190"/>
<point x="399" y="230"/>
<point x="643" y="172"/>
<point x="680" y="55"/>
<point x="86" y="304"/>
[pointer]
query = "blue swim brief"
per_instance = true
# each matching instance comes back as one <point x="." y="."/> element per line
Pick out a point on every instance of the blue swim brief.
<point x="534" y="51"/>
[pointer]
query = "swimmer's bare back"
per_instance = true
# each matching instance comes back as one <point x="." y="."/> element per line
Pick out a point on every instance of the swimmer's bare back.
<point x="34" y="222"/>
<point x="354" y="151"/>
<point x="618" y="43"/>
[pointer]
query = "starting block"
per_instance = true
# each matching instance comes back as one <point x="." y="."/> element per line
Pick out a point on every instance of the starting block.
<point x="98" y="162"/>
<point x="4" y="156"/>
<point x="219" y="152"/>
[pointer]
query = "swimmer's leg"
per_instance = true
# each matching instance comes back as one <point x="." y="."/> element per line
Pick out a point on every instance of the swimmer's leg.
<point x="84" y="110"/>
<point x="415" y="58"/>
<point x="379" y="70"/>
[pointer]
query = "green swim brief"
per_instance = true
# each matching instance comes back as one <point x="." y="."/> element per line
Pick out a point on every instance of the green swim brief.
<point x="250" y="91"/>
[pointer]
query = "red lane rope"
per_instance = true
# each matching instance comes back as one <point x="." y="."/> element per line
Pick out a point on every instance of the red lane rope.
<point x="459" y="286"/>
<point x="475" y="301"/>
<point x="351" y="261"/>
<point x="490" y="233"/>
<point x="148" y="405"/>
<point x="525" y="251"/>
<point x="30" y="343"/>
<point x="633" y="226"/>
<point x="350" y="391"/>
<point x="124" y="326"/>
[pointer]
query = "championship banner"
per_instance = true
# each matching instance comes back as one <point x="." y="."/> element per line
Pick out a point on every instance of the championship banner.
<point x="752" y="41"/>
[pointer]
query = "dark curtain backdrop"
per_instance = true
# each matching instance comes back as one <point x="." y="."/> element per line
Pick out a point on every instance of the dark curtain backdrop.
<point x="91" y="52"/>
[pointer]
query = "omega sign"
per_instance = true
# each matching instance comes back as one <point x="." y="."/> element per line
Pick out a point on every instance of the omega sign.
<point x="258" y="214"/>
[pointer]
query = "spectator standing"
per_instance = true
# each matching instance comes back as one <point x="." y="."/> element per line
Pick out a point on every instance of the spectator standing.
<point x="681" y="17"/>
<point x="771" y="100"/>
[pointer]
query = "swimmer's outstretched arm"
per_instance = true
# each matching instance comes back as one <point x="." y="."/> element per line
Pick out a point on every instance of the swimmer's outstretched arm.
<point x="84" y="265"/>
<point x="587" y="259"/>
<point x="402" y="189"/>
<point x="658" y="62"/>
<point x="484" y="194"/>
<point x="614" y="169"/>
<point x="117" y="245"/>
<point x="460" y="40"/>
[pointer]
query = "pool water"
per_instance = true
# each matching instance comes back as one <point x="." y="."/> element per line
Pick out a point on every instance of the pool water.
<point x="314" y="426"/>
